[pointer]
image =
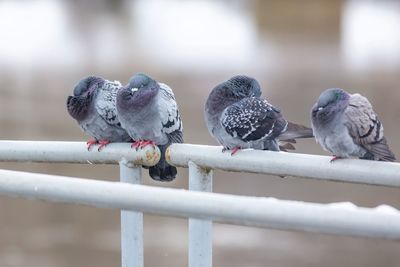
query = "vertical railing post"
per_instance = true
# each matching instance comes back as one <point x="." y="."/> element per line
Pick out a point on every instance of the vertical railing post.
<point x="200" y="231"/>
<point x="131" y="221"/>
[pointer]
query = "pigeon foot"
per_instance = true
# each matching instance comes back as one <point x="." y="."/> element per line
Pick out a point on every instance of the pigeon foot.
<point x="102" y="143"/>
<point x="91" y="143"/>
<point x="235" y="150"/>
<point x="334" y="158"/>
<point x="142" y="143"/>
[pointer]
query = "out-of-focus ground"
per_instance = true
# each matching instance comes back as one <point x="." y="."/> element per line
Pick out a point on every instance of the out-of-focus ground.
<point x="294" y="48"/>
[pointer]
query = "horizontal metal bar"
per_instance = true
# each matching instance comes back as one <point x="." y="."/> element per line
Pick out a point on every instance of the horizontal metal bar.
<point x="287" y="164"/>
<point x="251" y="211"/>
<point x="75" y="152"/>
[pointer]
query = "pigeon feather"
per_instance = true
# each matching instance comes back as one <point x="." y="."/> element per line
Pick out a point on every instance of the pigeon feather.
<point x="169" y="115"/>
<point x="346" y="125"/>
<point x="238" y="118"/>
<point x="93" y="106"/>
<point x="249" y="118"/>
<point x="365" y="128"/>
<point x="148" y="111"/>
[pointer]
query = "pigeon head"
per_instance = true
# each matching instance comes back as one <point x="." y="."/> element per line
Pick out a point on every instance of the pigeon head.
<point x="241" y="86"/>
<point x="88" y="85"/>
<point x="140" y="90"/>
<point x="230" y="92"/>
<point x="330" y="102"/>
<point x="79" y="103"/>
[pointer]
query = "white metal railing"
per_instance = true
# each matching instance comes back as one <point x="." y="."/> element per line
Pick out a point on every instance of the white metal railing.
<point x="287" y="164"/>
<point x="128" y="159"/>
<point x="74" y="152"/>
<point x="201" y="159"/>
<point x="202" y="207"/>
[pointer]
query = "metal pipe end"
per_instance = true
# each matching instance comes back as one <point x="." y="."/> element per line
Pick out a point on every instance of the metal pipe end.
<point x="148" y="156"/>
<point x="168" y="154"/>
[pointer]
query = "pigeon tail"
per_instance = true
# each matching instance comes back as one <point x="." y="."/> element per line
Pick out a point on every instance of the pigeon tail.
<point x="162" y="171"/>
<point x="294" y="131"/>
<point x="271" y="145"/>
<point x="286" y="146"/>
<point x="379" y="151"/>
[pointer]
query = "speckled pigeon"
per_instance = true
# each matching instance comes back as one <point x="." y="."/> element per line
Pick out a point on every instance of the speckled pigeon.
<point x="346" y="125"/>
<point x="149" y="113"/>
<point x="238" y="118"/>
<point x="92" y="105"/>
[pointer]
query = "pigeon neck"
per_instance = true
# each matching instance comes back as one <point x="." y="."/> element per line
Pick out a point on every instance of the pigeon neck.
<point x="333" y="118"/>
<point x="142" y="99"/>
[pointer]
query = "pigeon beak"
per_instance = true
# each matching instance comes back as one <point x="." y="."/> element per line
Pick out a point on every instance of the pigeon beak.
<point x="134" y="89"/>
<point x="320" y="108"/>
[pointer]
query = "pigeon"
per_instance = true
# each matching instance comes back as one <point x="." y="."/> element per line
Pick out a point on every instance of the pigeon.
<point x="347" y="126"/>
<point x="92" y="105"/>
<point x="149" y="113"/>
<point x="237" y="117"/>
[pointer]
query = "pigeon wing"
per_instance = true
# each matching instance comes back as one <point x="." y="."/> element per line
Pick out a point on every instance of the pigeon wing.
<point x="106" y="102"/>
<point x="253" y="119"/>
<point x="365" y="128"/>
<point x="169" y="114"/>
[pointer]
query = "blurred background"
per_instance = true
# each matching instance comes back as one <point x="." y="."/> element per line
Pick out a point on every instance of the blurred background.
<point x="295" y="49"/>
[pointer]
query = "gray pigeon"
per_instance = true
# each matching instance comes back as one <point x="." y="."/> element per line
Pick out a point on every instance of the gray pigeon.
<point x="346" y="125"/>
<point x="238" y="118"/>
<point x="149" y="113"/>
<point x="92" y="105"/>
